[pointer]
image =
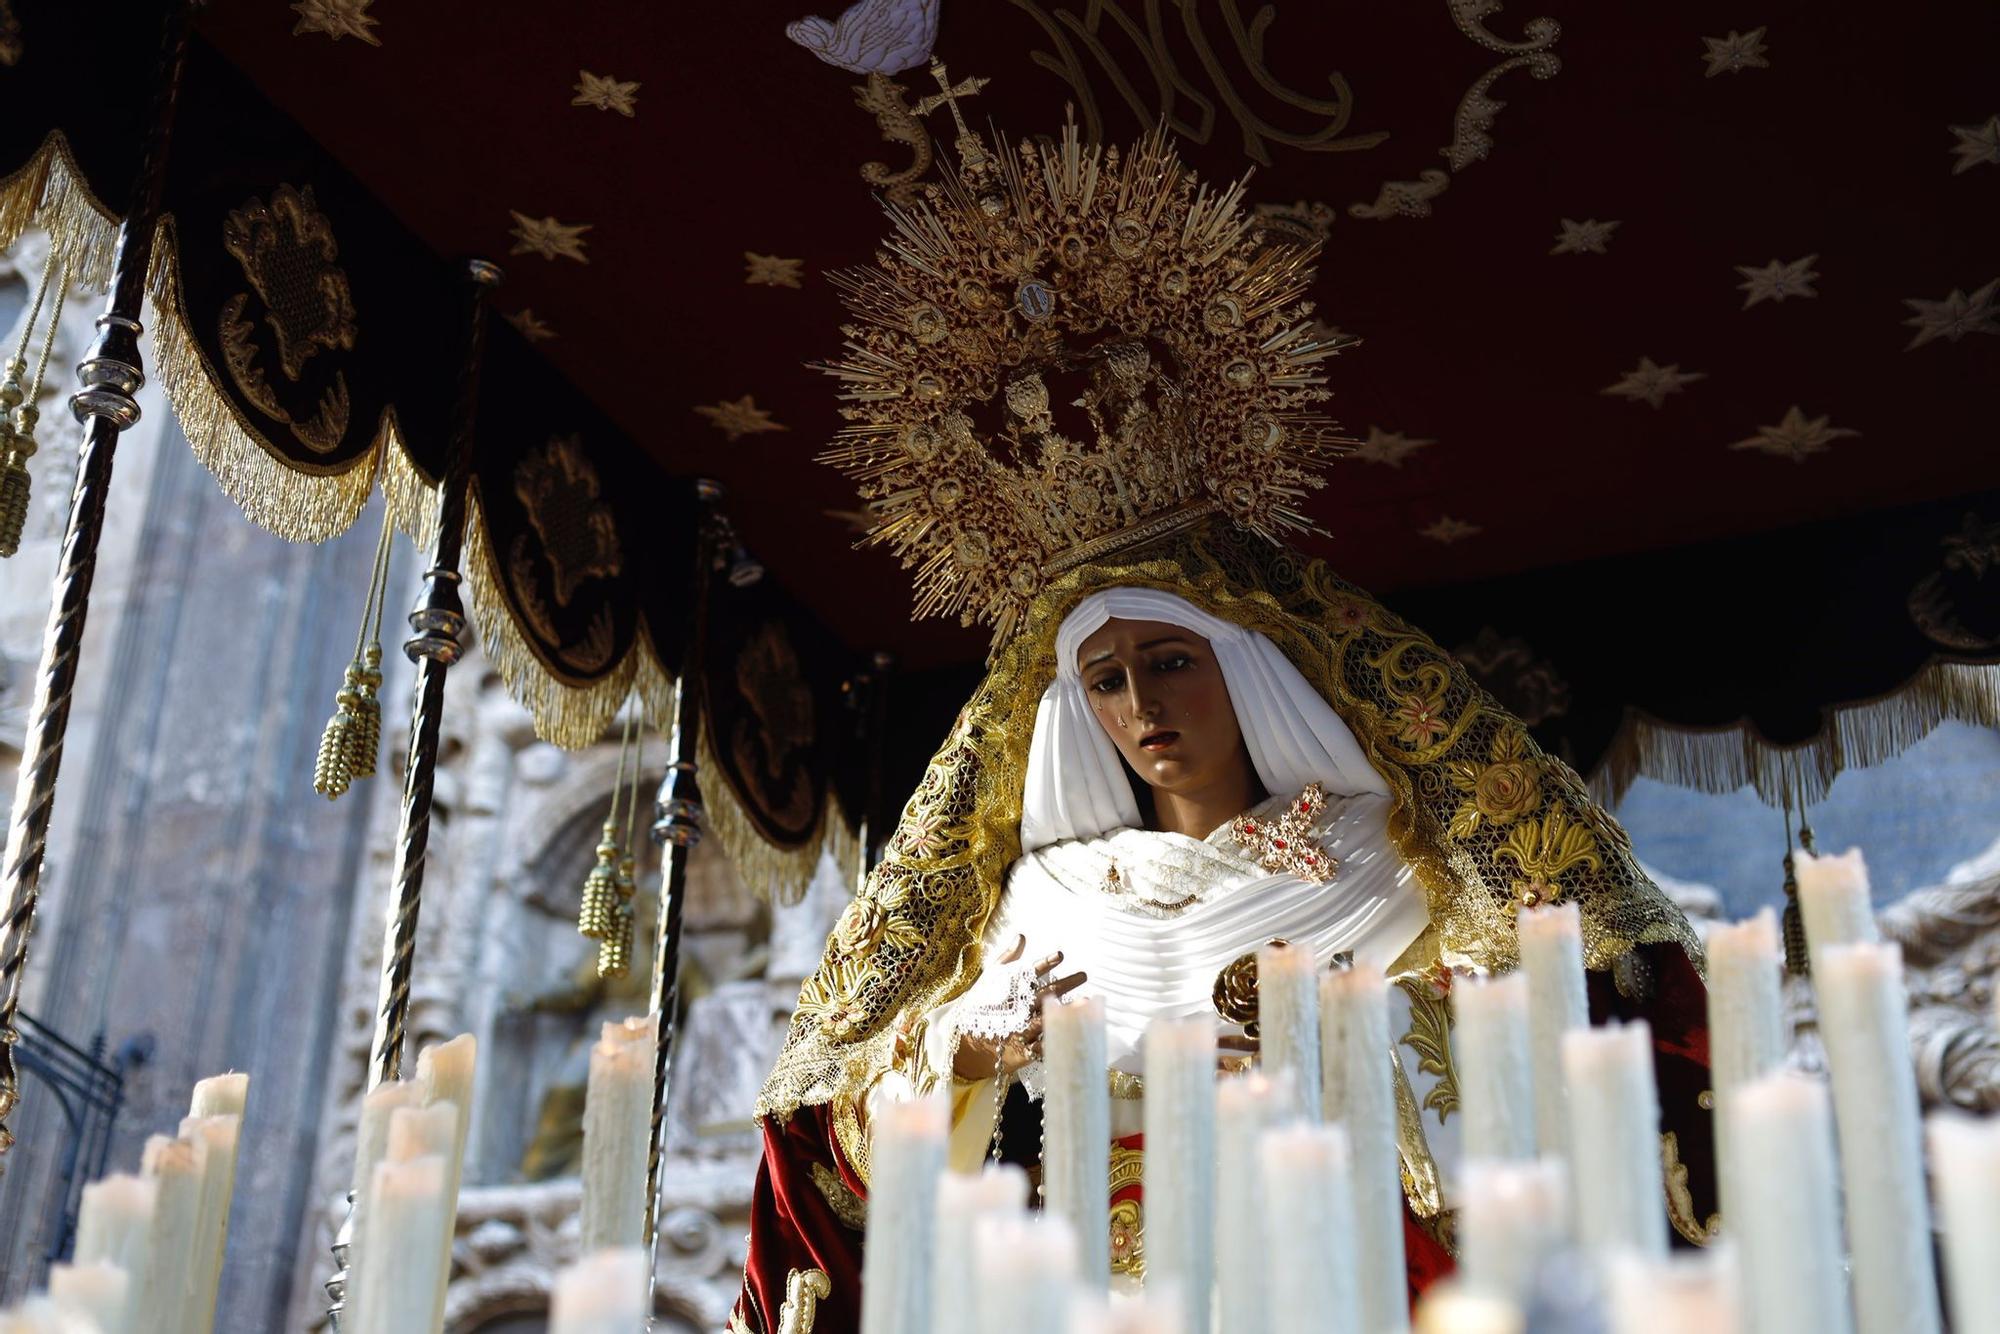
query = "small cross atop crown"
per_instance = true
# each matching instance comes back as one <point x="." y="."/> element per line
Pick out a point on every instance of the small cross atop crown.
<point x="975" y="163"/>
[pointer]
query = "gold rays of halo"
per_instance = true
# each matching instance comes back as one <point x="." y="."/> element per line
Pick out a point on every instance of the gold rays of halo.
<point x="1044" y="257"/>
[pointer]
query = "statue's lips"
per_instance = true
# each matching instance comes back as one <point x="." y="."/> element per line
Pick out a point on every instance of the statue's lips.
<point x="1158" y="741"/>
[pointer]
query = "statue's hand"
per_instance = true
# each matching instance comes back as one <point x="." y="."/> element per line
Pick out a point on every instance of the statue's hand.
<point x="985" y="1054"/>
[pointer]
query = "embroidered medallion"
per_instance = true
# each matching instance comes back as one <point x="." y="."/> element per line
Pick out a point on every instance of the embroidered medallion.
<point x="1288" y="843"/>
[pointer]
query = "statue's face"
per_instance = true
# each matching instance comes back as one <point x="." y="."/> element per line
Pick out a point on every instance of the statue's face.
<point x="1157" y="691"/>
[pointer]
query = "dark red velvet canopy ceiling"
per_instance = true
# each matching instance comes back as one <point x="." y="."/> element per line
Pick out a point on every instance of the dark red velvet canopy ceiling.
<point x="1845" y="157"/>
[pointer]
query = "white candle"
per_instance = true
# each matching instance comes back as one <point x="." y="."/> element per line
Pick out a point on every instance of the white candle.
<point x="1076" y="1129"/>
<point x="1449" y="1309"/>
<point x="1025" y="1273"/>
<point x="1558" y="1001"/>
<point x="399" y="1270"/>
<point x="1746" y="1024"/>
<point x="220" y="1095"/>
<point x="419" y="1132"/>
<point x="1687" y="1294"/>
<point x="41" y="1315"/>
<point x="99" y="1291"/>
<point x="1785" y="1215"/>
<point x="1179" y="1176"/>
<point x="1864" y="1022"/>
<point x="1614" y="1110"/>
<point x="963" y="1199"/>
<point x="371" y="1146"/>
<point x="1491" y="1051"/>
<point x="1309" y="1257"/>
<point x="906" y="1153"/>
<point x="1965" y="1163"/>
<point x="115" y="1223"/>
<point x="1288" y="1024"/>
<point x="446" y="1072"/>
<point x="169" y="1285"/>
<point x="1133" y="1314"/>
<point x="617" y="1135"/>
<point x="1511" y="1218"/>
<point x="1358" y="1091"/>
<point x="1834" y="901"/>
<point x="218" y="1136"/>
<point x="602" y="1292"/>
<point x="1245" y="1107"/>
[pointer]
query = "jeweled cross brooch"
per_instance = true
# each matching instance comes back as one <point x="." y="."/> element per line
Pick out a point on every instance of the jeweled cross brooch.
<point x="1287" y="844"/>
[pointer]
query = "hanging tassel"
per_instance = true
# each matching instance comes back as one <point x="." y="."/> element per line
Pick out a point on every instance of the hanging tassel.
<point x="19" y="415"/>
<point x="353" y="736"/>
<point x="614" y="950"/>
<point x="597" y="914"/>
<point x="596" y="917"/>
<point x="365" y="735"/>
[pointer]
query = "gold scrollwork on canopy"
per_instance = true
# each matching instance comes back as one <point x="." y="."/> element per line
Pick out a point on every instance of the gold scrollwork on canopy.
<point x="559" y="489"/>
<point x="1188" y="107"/>
<point x="287" y="250"/>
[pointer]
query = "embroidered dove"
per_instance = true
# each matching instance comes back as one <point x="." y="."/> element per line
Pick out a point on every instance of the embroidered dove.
<point x="872" y="36"/>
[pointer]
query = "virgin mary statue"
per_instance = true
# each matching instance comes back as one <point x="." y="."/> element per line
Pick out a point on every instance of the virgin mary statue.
<point x="1191" y="741"/>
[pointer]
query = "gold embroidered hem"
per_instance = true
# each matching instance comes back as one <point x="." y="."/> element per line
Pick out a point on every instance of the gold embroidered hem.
<point x="849" y="1208"/>
<point x="1680" y="1202"/>
<point x="1128" y="1215"/>
<point x="805" y="1289"/>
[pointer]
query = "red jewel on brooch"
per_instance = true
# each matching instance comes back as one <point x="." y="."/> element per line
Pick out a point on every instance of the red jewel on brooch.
<point x="1289" y="846"/>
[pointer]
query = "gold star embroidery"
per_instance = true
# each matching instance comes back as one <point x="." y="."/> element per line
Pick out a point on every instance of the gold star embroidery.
<point x="548" y="238"/>
<point x="532" y="327"/>
<point x="605" y="93"/>
<point x="741" y="418"/>
<point x="1448" y="530"/>
<point x="770" y="271"/>
<point x="337" y="19"/>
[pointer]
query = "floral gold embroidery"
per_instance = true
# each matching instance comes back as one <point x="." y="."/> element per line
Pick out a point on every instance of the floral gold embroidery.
<point x="865" y="926"/>
<point x="849" y="1208"/>
<point x="1429" y="1035"/>
<point x="832" y="997"/>
<point x="1544" y="848"/>
<point x="1502" y="790"/>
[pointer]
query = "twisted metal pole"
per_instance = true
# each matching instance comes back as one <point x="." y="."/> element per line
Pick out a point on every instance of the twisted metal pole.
<point x="110" y="376"/>
<point x="439" y="622"/>
<point x="677" y="828"/>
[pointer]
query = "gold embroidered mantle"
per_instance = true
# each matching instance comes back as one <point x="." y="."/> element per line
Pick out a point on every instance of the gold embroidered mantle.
<point x="1440" y="742"/>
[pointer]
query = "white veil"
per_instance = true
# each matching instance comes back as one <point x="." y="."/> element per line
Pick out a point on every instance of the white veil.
<point x="1077" y="787"/>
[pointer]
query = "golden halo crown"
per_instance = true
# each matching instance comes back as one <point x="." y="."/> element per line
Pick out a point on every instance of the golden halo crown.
<point x="1201" y="372"/>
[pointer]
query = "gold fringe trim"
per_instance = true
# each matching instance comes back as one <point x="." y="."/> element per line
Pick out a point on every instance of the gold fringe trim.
<point x="1856" y="735"/>
<point x="839" y="841"/>
<point x="777" y="874"/>
<point x="411" y="497"/>
<point x="48" y="191"/>
<point x="277" y="494"/>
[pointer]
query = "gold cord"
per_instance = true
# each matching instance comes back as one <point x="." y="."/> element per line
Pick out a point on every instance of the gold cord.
<point x="352" y="738"/>
<point x="18" y="413"/>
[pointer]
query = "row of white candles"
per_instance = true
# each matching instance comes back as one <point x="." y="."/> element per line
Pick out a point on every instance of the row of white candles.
<point x="150" y="1245"/>
<point x="1269" y="1210"/>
